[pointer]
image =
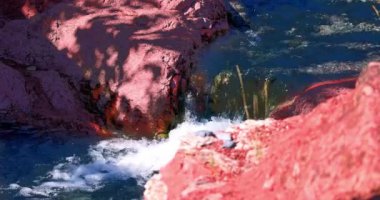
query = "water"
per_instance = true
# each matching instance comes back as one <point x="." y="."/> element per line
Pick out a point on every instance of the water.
<point x="38" y="164"/>
<point x="292" y="44"/>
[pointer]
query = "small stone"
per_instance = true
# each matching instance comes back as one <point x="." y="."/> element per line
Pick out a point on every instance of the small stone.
<point x="205" y="133"/>
<point x="229" y="144"/>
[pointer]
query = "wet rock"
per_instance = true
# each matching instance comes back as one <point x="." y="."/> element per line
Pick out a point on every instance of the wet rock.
<point x="229" y="144"/>
<point x="330" y="152"/>
<point x="192" y="141"/>
<point x="204" y="133"/>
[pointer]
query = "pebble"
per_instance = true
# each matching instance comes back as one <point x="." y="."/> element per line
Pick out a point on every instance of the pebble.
<point x="229" y="144"/>
<point x="205" y="133"/>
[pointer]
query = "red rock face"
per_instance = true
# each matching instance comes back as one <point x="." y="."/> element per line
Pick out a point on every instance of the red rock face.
<point x="313" y="96"/>
<point x="41" y="98"/>
<point x="139" y="52"/>
<point x="332" y="152"/>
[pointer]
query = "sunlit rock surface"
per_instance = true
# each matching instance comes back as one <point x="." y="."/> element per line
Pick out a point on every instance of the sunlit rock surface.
<point x="332" y="152"/>
<point x="125" y="61"/>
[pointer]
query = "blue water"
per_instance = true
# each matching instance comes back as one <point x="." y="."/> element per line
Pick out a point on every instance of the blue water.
<point x="292" y="43"/>
<point x="27" y="155"/>
<point x="38" y="164"/>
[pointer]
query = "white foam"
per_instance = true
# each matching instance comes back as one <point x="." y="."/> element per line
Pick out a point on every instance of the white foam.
<point x="342" y="25"/>
<point x="119" y="159"/>
<point x="14" y="186"/>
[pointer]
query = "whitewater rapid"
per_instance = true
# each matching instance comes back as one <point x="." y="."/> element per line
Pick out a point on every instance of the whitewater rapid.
<point x="116" y="159"/>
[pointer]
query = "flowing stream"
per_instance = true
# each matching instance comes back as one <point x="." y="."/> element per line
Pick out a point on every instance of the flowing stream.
<point x="291" y="44"/>
<point x="42" y="164"/>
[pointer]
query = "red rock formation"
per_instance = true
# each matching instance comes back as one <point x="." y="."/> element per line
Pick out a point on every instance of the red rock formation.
<point x="332" y="152"/>
<point x="313" y="96"/>
<point x="139" y="52"/>
<point x="41" y="98"/>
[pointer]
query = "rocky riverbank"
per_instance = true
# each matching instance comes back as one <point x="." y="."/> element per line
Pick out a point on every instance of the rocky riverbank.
<point x="329" y="152"/>
<point x="101" y="65"/>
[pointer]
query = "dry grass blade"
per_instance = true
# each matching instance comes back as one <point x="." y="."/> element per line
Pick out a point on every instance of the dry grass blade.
<point x="266" y="95"/>
<point x="376" y="11"/>
<point x="242" y="92"/>
<point x="255" y="106"/>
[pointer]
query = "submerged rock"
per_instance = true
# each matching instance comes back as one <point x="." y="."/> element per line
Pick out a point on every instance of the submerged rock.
<point x="331" y="152"/>
<point x="125" y="61"/>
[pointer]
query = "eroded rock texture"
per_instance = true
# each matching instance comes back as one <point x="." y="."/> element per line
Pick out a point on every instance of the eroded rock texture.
<point x="124" y="63"/>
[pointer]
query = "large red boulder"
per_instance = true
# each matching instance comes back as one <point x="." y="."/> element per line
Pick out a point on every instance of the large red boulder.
<point x="133" y="57"/>
<point x="332" y="152"/>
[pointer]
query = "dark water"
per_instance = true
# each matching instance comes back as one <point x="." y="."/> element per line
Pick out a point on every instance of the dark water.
<point x="38" y="164"/>
<point x="27" y="155"/>
<point x="291" y="44"/>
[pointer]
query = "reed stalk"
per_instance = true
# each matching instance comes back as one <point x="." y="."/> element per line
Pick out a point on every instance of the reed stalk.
<point x="255" y="106"/>
<point x="243" y="92"/>
<point x="376" y="11"/>
<point x="266" y="96"/>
